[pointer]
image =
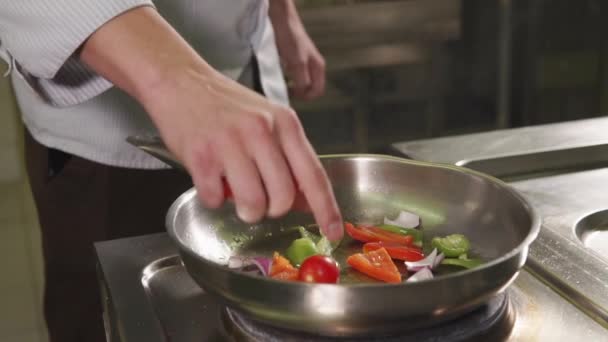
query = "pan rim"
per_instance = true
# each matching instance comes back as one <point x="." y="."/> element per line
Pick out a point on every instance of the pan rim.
<point x="535" y="226"/>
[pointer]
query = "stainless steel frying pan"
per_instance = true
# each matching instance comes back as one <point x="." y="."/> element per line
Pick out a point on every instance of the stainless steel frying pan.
<point x="500" y="224"/>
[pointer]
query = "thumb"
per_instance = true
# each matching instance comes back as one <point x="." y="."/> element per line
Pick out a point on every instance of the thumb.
<point x="301" y="79"/>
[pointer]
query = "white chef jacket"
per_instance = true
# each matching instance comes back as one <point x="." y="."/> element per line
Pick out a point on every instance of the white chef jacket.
<point x="67" y="106"/>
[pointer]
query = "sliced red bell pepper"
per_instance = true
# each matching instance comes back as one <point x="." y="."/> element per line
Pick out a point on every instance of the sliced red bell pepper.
<point x="282" y="269"/>
<point x="396" y="251"/>
<point x="387" y="236"/>
<point x="291" y="274"/>
<point x="376" y="264"/>
<point x="375" y="234"/>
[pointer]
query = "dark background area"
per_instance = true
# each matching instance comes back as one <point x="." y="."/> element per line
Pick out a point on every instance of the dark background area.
<point x="413" y="69"/>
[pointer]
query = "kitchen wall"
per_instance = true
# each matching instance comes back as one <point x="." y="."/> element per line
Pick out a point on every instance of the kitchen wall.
<point x="20" y="260"/>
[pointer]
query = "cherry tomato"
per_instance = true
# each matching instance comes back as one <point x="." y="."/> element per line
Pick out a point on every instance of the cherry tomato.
<point x="319" y="269"/>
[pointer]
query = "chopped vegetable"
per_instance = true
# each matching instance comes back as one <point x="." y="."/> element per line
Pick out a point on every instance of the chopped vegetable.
<point x="281" y="268"/>
<point x="324" y="246"/>
<point x="358" y="233"/>
<point x="243" y="263"/>
<point x="386" y="236"/>
<point x="452" y="245"/>
<point x="422" y="274"/>
<point x="291" y="274"/>
<point x="309" y="257"/>
<point x="405" y="220"/>
<point x="462" y="262"/>
<point x="306" y="234"/>
<point x="279" y="263"/>
<point x="263" y="264"/>
<point x="319" y="269"/>
<point x="376" y="264"/>
<point x="415" y="233"/>
<point x="396" y="251"/>
<point x="430" y="262"/>
<point x="375" y="234"/>
<point x="301" y="249"/>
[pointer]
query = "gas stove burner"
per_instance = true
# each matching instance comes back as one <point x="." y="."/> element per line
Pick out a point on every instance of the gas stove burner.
<point x="491" y="322"/>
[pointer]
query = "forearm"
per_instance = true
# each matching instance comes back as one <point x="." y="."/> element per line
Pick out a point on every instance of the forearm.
<point x="138" y="50"/>
<point x="280" y="11"/>
<point x="207" y="121"/>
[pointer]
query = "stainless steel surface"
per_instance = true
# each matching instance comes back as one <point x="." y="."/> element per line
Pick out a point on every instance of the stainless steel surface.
<point x="139" y="310"/>
<point x="150" y="297"/>
<point x="592" y="230"/>
<point x="449" y="199"/>
<point x="543" y="315"/>
<point x="520" y="153"/>
<point x="559" y="255"/>
<point x="153" y="145"/>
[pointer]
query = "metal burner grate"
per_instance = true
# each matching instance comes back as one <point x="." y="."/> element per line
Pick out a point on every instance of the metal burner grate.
<point x="492" y="321"/>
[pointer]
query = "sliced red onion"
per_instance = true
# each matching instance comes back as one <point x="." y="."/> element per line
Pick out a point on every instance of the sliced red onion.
<point x="263" y="264"/>
<point x="422" y="274"/>
<point x="431" y="261"/>
<point x="241" y="263"/>
<point x="438" y="260"/>
<point x="404" y="220"/>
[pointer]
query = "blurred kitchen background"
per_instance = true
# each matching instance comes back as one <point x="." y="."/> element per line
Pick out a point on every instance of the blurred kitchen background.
<point x="402" y="70"/>
<point x="397" y="71"/>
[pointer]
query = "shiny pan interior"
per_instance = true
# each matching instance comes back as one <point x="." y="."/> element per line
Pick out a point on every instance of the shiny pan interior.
<point x="449" y="199"/>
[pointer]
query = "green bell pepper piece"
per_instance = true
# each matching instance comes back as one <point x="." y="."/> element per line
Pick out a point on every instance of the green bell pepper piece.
<point x="300" y="249"/>
<point x="451" y="246"/>
<point x="462" y="262"/>
<point x="324" y="247"/>
<point x="307" y="234"/>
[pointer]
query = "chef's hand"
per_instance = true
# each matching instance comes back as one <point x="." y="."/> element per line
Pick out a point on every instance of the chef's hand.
<point x="303" y="63"/>
<point x="214" y="126"/>
<point x="219" y="128"/>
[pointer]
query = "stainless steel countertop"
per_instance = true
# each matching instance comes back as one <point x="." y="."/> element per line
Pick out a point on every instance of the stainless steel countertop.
<point x="515" y="154"/>
<point x="463" y="149"/>
<point x="150" y="297"/>
<point x="542" y="162"/>
<point x="558" y="255"/>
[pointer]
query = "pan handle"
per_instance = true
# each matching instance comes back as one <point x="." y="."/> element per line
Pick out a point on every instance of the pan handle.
<point x="154" y="145"/>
